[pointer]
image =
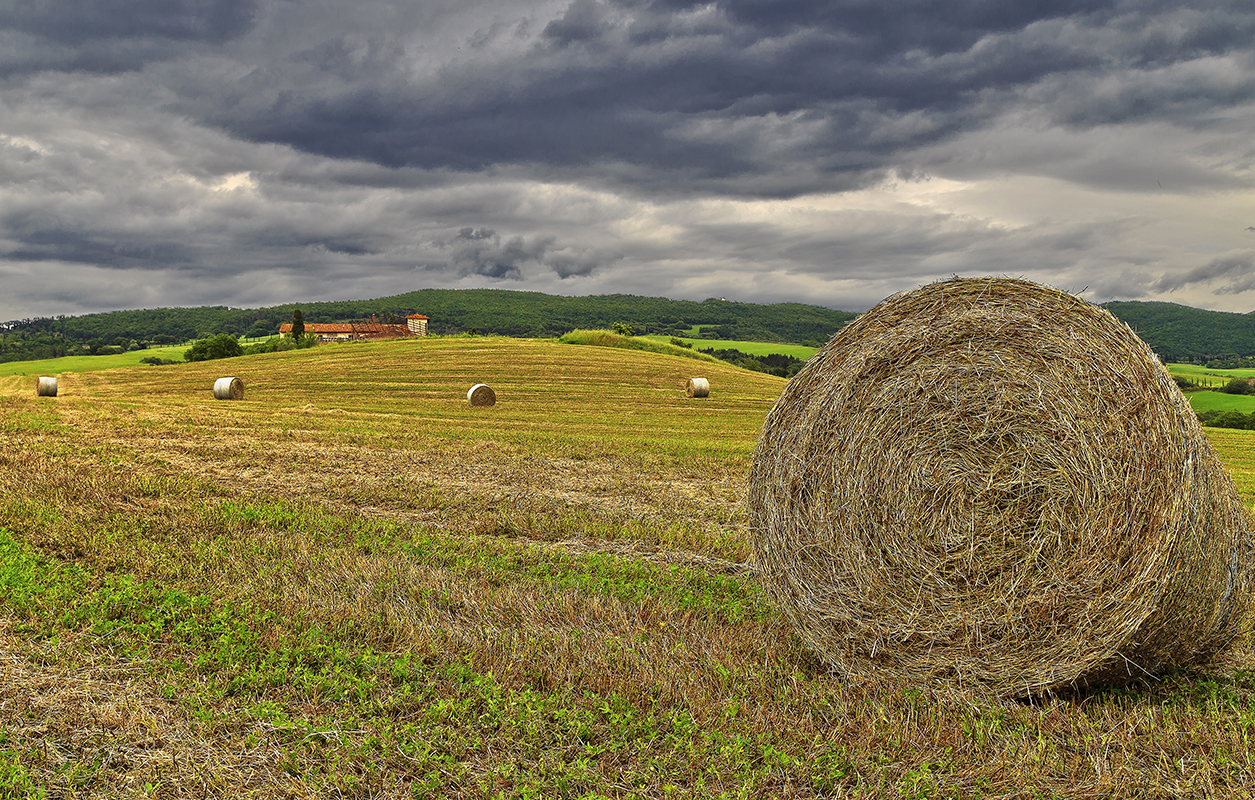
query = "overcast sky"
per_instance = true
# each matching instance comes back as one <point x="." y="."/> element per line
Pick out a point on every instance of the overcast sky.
<point x="255" y="152"/>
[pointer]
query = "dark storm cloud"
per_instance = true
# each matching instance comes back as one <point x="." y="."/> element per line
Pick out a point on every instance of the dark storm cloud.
<point x="829" y="152"/>
<point x="112" y="35"/>
<point x="574" y="264"/>
<point x="359" y="244"/>
<point x="813" y="95"/>
<point x="483" y="252"/>
<point x="1235" y="270"/>
<point x="102" y="249"/>
<point x="93" y="20"/>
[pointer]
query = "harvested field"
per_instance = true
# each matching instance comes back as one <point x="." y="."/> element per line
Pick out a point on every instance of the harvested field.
<point x="318" y="591"/>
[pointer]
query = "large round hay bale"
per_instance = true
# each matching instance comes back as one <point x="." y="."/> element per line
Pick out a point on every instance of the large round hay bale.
<point x="994" y="482"/>
<point x="47" y="387"/>
<point x="698" y="387"/>
<point x="228" y="389"/>
<point x="481" y="394"/>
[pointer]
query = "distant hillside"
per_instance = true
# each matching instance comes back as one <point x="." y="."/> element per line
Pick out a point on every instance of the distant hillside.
<point x="1177" y="333"/>
<point x="1183" y="334"/>
<point x="509" y="313"/>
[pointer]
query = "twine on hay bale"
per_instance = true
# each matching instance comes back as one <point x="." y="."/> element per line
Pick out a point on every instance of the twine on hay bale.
<point x="994" y="482"/>
<point x="47" y="387"/>
<point x="698" y="387"/>
<point x="481" y="394"/>
<point x="228" y="389"/>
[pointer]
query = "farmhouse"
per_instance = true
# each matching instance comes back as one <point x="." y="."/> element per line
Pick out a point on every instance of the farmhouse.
<point x="415" y="325"/>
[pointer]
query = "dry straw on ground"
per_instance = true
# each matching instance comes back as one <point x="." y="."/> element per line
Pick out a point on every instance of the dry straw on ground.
<point x="698" y="387"/>
<point x="994" y="482"/>
<point x="481" y="394"/>
<point x="47" y="387"/>
<point x="229" y="389"/>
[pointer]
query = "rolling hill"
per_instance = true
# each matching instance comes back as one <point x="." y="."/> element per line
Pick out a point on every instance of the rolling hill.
<point x="1177" y="333"/>
<point x="485" y="311"/>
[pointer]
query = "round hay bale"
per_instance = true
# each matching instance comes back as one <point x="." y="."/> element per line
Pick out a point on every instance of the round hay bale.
<point x="996" y="483"/>
<point x="698" y="387"/>
<point x="481" y="394"/>
<point x="228" y="389"/>
<point x="47" y="387"/>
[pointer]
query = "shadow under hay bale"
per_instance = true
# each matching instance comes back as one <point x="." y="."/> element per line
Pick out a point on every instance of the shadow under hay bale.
<point x="228" y="389"/>
<point x="481" y="394"/>
<point x="994" y="482"/>
<point x="698" y="387"/>
<point x="47" y="387"/>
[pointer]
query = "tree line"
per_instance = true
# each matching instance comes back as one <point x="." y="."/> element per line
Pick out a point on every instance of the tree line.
<point x="1185" y="335"/>
<point x="1177" y="333"/>
<point x="450" y="311"/>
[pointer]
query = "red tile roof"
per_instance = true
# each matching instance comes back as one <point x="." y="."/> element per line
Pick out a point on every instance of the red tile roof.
<point x="356" y="329"/>
<point x="320" y="327"/>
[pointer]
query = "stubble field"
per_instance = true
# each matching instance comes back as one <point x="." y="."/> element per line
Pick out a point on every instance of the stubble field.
<point x="353" y="584"/>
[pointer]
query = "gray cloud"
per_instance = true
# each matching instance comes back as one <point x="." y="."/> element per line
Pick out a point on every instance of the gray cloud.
<point x="572" y="263"/>
<point x="483" y="252"/>
<point x="88" y="21"/>
<point x="112" y="35"/>
<point x="1237" y="270"/>
<point x="258" y="151"/>
<point x="99" y="249"/>
<point x="705" y="96"/>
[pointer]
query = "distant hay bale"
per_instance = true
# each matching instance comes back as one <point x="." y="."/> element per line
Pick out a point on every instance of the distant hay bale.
<point x="698" y="387"/>
<point x="993" y="482"/>
<point x="47" y="387"/>
<point x="481" y="394"/>
<point x="229" y="389"/>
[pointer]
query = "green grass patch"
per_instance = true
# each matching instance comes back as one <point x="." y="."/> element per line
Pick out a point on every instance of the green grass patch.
<point x="29" y="418"/>
<point x="752" y="348"/>
<point x="645" y="343"/>
<point x="1220" y="401"/>
<point x="1217" y="377"/>
<point x="236" y="666"/>
<point x="504" y="556"/>
<point x="59" y="366"/>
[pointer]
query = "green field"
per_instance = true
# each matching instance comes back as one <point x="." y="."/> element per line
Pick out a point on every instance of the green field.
<point x="65" y="364"/>
<point x="352" y="584"/>
<point x="1212" y="400"/>
<point x="752" y="348"/>
<point x="1219" y="401"/>
<point x="1214" y="376"/>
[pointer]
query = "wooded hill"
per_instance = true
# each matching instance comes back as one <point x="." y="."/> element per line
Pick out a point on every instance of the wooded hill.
<point x="451" y="311"/>
<point x="1184" y="334"/>
<point x="1176" y="332"/>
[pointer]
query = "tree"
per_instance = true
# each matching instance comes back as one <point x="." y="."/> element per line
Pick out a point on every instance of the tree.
<point x="1237" y="386"/>
<point x="1231" y="419"/>
<point x="260" y="328"/>
<point x="623" y="329"/>
<point x="224" y="345"/>
<point x="298" y="324"/>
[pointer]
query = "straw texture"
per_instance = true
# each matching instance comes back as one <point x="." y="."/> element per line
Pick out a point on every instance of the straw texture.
<point x="481" y="394"/>
<point x="698" y="387"/>
<point x="47" y="387"/>
<point x="229" y="389"/>
<point x="993" y="482"/>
